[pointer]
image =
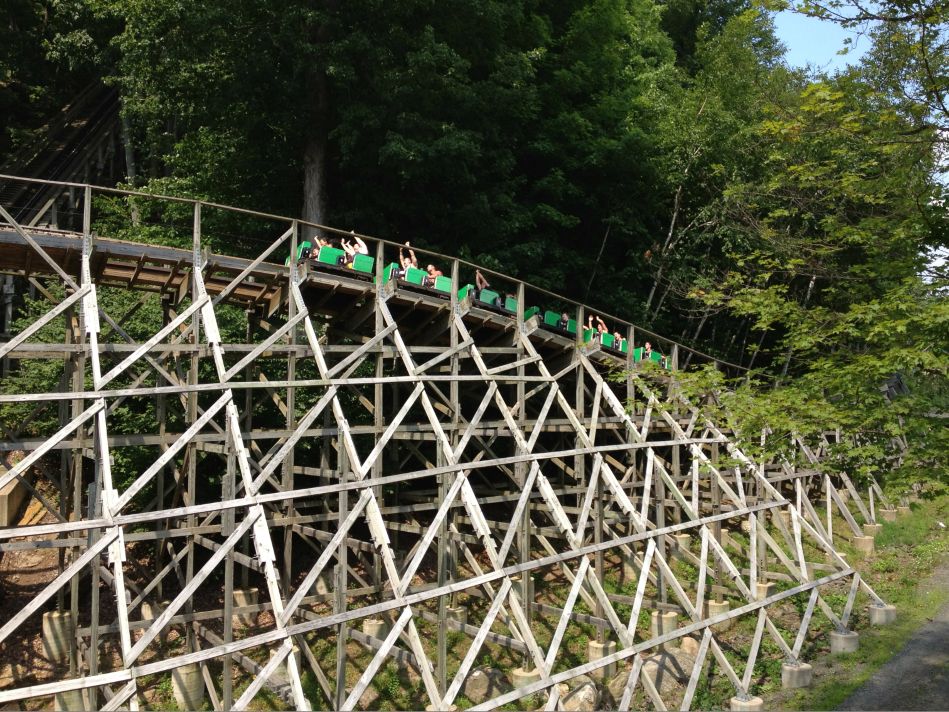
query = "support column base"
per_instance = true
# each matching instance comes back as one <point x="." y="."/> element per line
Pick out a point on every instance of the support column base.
<point x="69" y="701"/>
<point x="663" y="622"/>
<point x="375" y="627"/>
<point x="764" y="589"/>
<point x="522" y="678"/>
<point x="794" y="676"/>
<point x="717" y="608"/>
<point x="596" y="651"/>
<point x="457" y="613"/>
<point x="889" y="515"/>
<point x="59" y="635"/>
<point x="187" y="686"/>
<point x="749" y="704"/>
<point x="842" y="642"/>
<point x="864" y="545"/>
<point x="151" y="611"/>
<point x="872" y="529"/>
<point x="245" y="597"/>
<point x="882" y="615"/>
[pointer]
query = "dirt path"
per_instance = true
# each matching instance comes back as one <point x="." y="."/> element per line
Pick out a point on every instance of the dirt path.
<point x="917" y="677"/>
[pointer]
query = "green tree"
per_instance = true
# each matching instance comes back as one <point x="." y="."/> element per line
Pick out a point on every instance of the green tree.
<point x="49" y="50"/>
<point x="836" y="242"/>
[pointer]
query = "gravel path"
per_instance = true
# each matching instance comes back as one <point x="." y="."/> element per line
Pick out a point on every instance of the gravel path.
<point x="917" y="677"/>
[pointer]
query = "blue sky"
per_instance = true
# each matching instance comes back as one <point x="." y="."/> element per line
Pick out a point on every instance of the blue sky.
<point x="816" y="42"/>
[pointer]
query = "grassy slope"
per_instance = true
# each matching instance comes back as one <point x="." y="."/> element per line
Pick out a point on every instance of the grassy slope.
<point x="908" y="552"/>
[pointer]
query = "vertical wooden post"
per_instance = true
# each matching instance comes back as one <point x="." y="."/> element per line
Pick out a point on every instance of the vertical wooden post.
<point x="228" y="490"/>
<point x="520" y="469"/>
<point x="378" y="398"/>
<point x="161" y="409"/>
<point x="94" y="488"/>
<point x="77" y="381"/>
<point x="716" y="509"/>
<point x="579" y="471"/>
<point x="291" y="420"/>
<point x="340" y="602"/>
<point x="197" y="265"/>
<point x="248" y="419"/>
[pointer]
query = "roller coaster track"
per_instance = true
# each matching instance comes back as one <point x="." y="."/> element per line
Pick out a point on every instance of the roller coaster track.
<point x="77" y="145"/>
<point x="329" y="482"/>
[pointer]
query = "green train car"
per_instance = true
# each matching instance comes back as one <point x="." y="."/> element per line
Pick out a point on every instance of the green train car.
<point x="333" y="258"/>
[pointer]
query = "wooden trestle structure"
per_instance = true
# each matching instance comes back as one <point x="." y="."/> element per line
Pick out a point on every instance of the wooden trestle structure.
<point x="372" y="477"/>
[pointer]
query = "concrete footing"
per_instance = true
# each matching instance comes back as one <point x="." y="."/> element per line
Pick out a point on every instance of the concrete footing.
<point x="12" y="497"/>
<point x="763" y="589"/>
<point x="844" y="495"/>
<point x="375" y="627"/>
<point x="59" y="635"/>
<point x="457" y="613"/>
<point x="863" y="544"/>
<point x="69" y="701"/>
<point x="748" y="704"/>
<point x="245" y="597"/>
<point x="597" y="651"/>
<point x="717" y="608"/>
<point x="663" y="622"/>
<point x="187" y="686"/>
<point x="682" y="542"/>
<point x="882" y="615"/>
<point x="521" y="677"/>
<point x="322" y="585"/>
<point x="845" y="641"/>
<point x="889" y="515"/>
<point x="794" y="676"/>
<point x="518" y="586"/>
<point x="872" y="529"/>
<point x="280" y="676"/>
<point x="151" y="611"/>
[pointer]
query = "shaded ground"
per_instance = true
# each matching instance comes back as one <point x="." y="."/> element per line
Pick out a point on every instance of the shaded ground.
<point x="23" y="574"/>
<point x="917" y="677"/>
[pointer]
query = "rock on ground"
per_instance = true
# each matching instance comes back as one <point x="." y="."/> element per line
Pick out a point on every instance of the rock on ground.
<point x="585" y="698"/>
<point x="669" y="670"/>
<point x="483" y="683"/>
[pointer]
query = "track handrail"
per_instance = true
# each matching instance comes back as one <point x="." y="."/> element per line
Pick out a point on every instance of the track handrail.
<point x="348" y="233"/>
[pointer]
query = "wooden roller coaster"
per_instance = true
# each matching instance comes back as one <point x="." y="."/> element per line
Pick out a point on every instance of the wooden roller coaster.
<point x="348" y="491"/>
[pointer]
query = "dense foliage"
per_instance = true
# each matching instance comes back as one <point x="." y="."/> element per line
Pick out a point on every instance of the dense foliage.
<point x="661" y="152"/>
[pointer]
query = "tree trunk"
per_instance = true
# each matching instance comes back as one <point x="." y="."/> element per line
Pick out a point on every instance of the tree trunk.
<point x="314" y="154"/>
<point x="695" y="336"/>
<point x="314" y="180"/>
<point x="315" y="150"/>
<point x="130" y="172"/>
<point x="807" y="298"/>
